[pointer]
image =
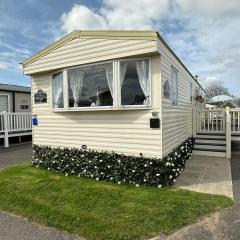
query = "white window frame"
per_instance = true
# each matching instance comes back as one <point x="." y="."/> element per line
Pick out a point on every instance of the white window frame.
<point x="173" y="69"/>
<point x="120" y="89"/>
<point x="64" y="92"/>
<point x="8" y="99"/>
<point x="116" y="86"/>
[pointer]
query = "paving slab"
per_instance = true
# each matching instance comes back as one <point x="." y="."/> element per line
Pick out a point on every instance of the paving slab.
<point x="208" y="175"/>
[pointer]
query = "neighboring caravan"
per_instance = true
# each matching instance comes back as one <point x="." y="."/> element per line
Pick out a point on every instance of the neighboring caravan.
<point x="15" y="112"/>
<point x="15" y="98"/>
<point x="122" y="91"/>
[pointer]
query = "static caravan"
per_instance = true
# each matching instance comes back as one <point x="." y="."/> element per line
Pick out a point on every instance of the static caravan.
<point x="15" y="98"/>
<point x="15" y="112"/>
<point x="121" y="91"/>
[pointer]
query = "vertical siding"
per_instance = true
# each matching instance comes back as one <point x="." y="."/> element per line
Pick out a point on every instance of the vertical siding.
<point x="176" y="120"/>
<point x="22" y="99"/>
<point x="123" y="131"/>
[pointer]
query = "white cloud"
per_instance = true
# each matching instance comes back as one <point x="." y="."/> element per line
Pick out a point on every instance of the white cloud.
<point x="4" y="65"/>
<point x="217" y="8"/>
<point x="125" y="14"/>
<point x="204" y="34"/>
<point x="81" y="17"/>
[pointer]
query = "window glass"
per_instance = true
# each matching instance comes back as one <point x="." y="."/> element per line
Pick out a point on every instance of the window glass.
<point x="135" y="82"/>
<point x="191" y="92"/>
<point x="57" y="90"/>
<point x="91" y="86"/>
<point x="174" y="87"/>
<point x="166" y="89"/>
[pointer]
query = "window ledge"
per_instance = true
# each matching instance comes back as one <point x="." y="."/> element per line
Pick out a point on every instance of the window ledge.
<point x="102" y="109"/>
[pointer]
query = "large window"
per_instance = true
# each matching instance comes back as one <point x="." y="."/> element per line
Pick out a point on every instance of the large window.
<point x="57" y="90"/>
<point x="174" y="86"/>
<point x="135" y="82"/>
<point x="91" y="86"/>
<point x="119" y="83"/>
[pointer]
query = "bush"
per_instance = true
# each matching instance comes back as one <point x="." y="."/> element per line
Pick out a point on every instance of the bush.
<point x="111" y="166"/>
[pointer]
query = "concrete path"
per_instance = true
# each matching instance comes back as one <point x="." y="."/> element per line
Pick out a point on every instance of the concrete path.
<point x="208" y="175"/>
<point x="17" y="228"/>
<point x="223" y="225"/>
<point x="15" y="154"/>
<point x="14" y="227"/>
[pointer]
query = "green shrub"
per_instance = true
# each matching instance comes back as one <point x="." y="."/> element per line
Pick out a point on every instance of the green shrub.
<point x="111" y="166"/>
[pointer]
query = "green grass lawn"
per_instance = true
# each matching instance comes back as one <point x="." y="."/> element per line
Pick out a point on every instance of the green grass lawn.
<point x="101" y="210"/>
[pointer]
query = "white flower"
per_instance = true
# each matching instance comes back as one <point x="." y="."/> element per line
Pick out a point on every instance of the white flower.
<point x="48" y="169"/>
<point x="137" y="185"/>
<point x="170" y="176"/>
<point x="174" y="180"/>
<point x="159" y="186"/>
<point x="158" y="174"/>
<point x="150" y="163"/>
<point x="145" y="165"/>
<point x="174" y="170"/>
<point x="119" y="161"/>
<point x="176" y="154"/>
<point x="144" y="180"/>
<point x="37" y="166"/>
<point x="133" y="171"/>
<point x="108" y="166"/>
<point x="97" y="178"/>
<point x="119" y="182"/>
<point x="100" y="160"/>
<point x="66" y="174"/>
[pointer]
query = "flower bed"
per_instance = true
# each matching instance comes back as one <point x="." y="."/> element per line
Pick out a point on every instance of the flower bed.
<point x="111" y="166"/>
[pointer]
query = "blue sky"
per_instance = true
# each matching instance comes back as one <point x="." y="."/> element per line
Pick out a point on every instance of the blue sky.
<point x="204" y="34"/>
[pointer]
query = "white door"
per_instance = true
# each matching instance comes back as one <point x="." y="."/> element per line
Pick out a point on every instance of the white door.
<point x="4" y="104"/>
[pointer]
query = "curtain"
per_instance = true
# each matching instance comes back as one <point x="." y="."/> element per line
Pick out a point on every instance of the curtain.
<point x="76" y="83"/>
<point x="123" y="70"/>
<point x="57" y="89"/>
<point x="109" y="76"/>
<point x="143" y="76"/>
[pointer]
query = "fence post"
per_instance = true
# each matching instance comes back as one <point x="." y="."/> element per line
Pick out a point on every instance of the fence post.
<point x="5" y="120"/>
<point x="194" y="121"/>
<point x="228" y="134"/>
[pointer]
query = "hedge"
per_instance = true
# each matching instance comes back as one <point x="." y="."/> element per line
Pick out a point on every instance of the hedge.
<point x="115" y="167"/>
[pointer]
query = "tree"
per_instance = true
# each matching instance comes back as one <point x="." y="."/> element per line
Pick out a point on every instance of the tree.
<point x="215" y="89"/>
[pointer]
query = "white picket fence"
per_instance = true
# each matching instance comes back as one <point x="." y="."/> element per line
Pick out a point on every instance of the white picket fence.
<point x="14" y="124"/>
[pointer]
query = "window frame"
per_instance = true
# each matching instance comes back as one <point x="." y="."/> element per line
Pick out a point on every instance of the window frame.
<point x="120" y="89"/>
<point x="173" y="69"/>
<point x="52" y="107"/>
<point x="116" y="86"/>
<point x="8" y="99"/>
